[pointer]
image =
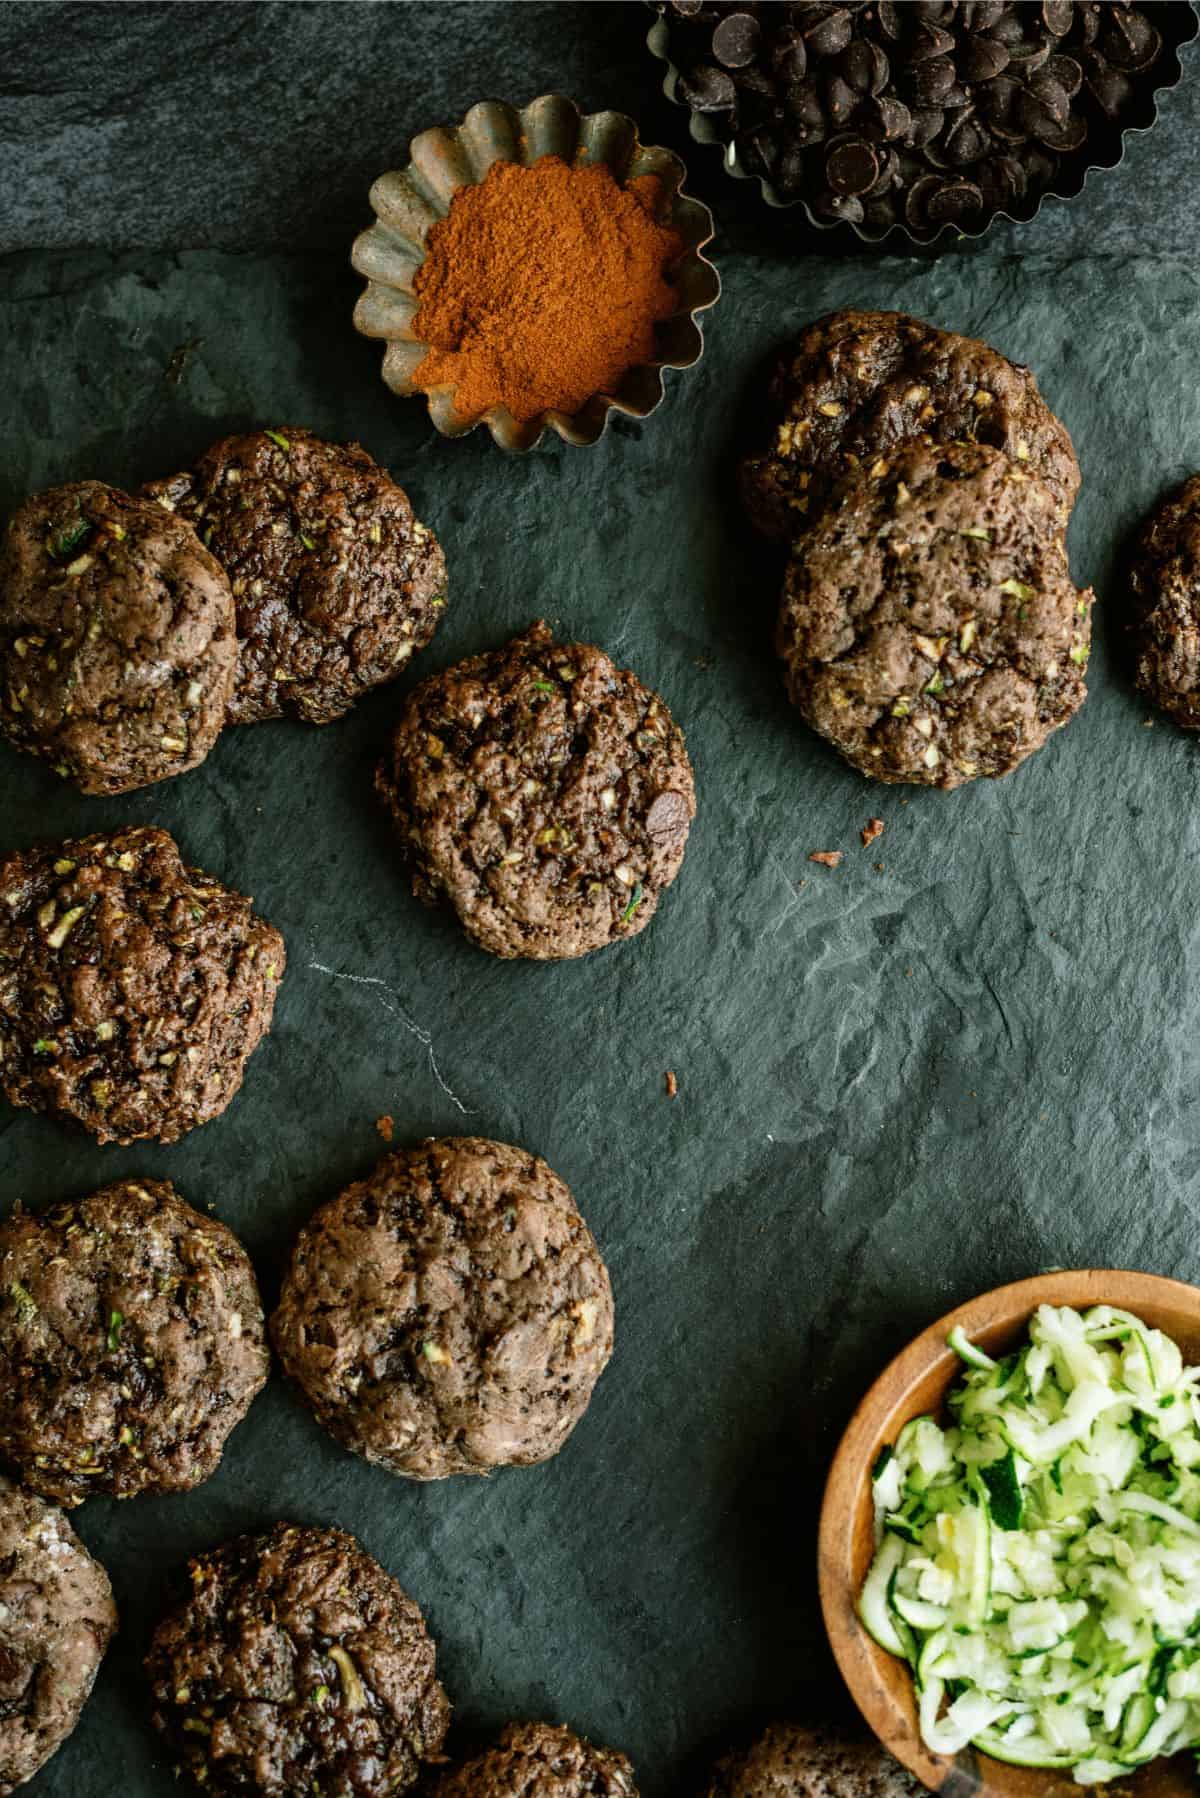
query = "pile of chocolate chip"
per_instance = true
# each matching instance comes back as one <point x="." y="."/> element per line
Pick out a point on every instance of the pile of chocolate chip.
<point x="920" y="113"/>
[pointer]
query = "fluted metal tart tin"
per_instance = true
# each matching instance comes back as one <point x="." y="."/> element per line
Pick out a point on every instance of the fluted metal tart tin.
<point x="1177" y="20"/>
<point x="408" y="202"/>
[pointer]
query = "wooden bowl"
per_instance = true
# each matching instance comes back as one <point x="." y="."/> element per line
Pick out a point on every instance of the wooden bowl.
<point x="916" y="1382"/>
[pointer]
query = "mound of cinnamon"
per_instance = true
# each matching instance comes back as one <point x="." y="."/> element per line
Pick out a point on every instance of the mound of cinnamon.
<point x="542" y="286"/>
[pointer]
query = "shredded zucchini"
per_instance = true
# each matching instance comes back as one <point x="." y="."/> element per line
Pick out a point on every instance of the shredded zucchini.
<point x="1038" y="1558"/>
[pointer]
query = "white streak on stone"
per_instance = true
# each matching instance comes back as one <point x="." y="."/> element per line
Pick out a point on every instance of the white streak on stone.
<point x="391" y="1004"/>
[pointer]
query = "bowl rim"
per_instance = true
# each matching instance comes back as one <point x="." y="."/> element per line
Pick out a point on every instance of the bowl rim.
<point x="569" y="426"/>
<point x="876" y="1418"/>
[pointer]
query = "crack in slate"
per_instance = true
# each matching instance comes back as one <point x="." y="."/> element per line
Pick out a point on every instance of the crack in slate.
<point x="391" y="1004"/>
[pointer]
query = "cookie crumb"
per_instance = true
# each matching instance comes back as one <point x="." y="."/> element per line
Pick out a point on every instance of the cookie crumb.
<point x="879" y="867"/>
<point x="386" y="1127"/>
<point x="871" y="829"/>
<point x="828" y="858"/>
<point x="670" y="1083"/>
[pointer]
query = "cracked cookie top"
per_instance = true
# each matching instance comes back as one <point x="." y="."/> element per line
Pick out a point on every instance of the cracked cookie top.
<point x="297" y="1665"/>
<point x="544" y="793"/>
<point x="57" y="1618"/>
<point x="336" y="582"/>
<point x="117" y="642"/>
<point x="450" y="1313"/>
<point x="795" y="1760"/>
<point x="133" y="990"/>
<point x="540" y="1760"/>
<point x="132" y="1334"/>
<point x="929" y="626"/>
<point x="1164" y="576"/>
<point x="855" y="386"/>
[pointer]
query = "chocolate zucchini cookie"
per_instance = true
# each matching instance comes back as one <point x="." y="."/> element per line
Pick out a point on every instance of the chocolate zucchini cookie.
<point x="336" y="582"/>
<point x="297" y="1665"/>
<point x="855" y="386"/>
<point x="132" y="1338"/>
<point x="117" y="642"/>
<point x="792" y="1760"/>
<point x="1164" y="576"/>
<point x="57" y="1618"/>
<point x="929" y="627"/>
<point x="450" y="1313"/>
<point x="540" y="1760"/>
<point x="544" y="793"/>
<point x="133" y="990"/>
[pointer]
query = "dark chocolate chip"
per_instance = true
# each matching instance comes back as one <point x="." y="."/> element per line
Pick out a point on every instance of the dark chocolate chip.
<point x="895" y="120"/>
<point x="927" y="121"/>
<point x="1088" y="22"/>
<point x="997" y="98"/>
<point x="826" y="36"/>
<point x="1066" y="71"/>
<point x="889" y="173"/>
<point x="981" y="15"/>
<point x="791" y="58"/>
<point x="1111" y="89"/>
<point x="1028" y="54"/>
<point x="668" y="816"/>
<point x="735" y="40"/>
<point x="752" y="80"/>
<point x="851" y="167"/>
<point x="840" y="101"/>
<point x="1009" y="27"/>
<point x="864" y="67"/>
<point x="1069" y="136"/>
<point x="955" y="203"/>
<point x="1040" y="166"/>
<point x="881" y="70"/>
<point x="929" y="82"/>
<point x="707" y="89"/>
<point x="1046" y="91"/>
<point x="1034" y="118"/>
<point x="966" y="140"/>
<point x="807" y="109"/>
<point x="984" y="57"/>
<point x="1001" y="180"/>
<point x="1131" y="42"/>
<point x="929" y="40"/>
<point x="921" y="191"/>
<point x="928" y="112"/>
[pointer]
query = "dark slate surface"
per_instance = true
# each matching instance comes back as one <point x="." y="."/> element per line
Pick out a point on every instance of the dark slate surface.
<point x="897" y="1087"/>
<point x="103" y="143"/>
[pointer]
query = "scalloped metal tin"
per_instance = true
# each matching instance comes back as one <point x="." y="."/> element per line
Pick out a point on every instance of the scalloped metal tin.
<point x="1176" y="19"/>
<point x="407" y="202"/>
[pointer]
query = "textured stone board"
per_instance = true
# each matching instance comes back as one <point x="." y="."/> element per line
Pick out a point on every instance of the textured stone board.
<point x="896" y="1088"/>
<point x="105" y="141"/>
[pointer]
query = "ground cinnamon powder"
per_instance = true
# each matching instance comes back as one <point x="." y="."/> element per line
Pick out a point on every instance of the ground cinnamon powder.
<point x="542" y="285"/>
